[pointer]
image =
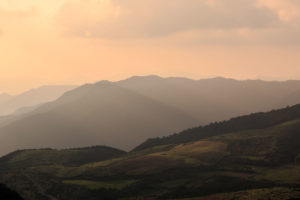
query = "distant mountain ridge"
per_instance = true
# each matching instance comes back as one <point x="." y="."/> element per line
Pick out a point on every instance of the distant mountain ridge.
<point x="125" y="113"/>
<point x="93" y="114"/>
<point x="4" y="97"/>
<point x="216" y="99"/>
<point x="31" y="98"/>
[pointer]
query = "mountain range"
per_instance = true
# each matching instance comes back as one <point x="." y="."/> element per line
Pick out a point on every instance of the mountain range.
<point x="216" y="99"/>
<point x="125" y="113"/>
<point x="101" y="113"/>
<point x="10" y="104"/>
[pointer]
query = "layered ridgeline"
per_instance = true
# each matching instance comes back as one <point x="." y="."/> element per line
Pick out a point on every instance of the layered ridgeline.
<point x="31" y="99"/>
<point x="4" y="97"/>
<point x="101" y="113"/>
<point x="217" y="99"/>
<point x="252" y="157"/>
<point x="125" y="113"/>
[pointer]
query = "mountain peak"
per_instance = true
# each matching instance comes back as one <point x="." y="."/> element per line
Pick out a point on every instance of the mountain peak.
<point x="103" y="82"/>
<point x="149" y="77"/>
<point x="220" y="78"/>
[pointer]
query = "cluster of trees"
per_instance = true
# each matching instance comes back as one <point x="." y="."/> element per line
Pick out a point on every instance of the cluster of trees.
<point x="249" y="122"/>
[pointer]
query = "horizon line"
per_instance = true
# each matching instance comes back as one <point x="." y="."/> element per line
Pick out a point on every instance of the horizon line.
<point x="153" y="75"/>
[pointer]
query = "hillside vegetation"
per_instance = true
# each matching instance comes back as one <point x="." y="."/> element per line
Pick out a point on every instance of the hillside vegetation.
<point x="250" y="161"/>
<point x="68" y="157"/>
<point x="249" y="122"/>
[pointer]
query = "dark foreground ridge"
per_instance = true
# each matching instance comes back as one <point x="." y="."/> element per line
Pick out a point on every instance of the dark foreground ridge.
<point x="8" y="194"/>
<point x="249" y="122"/>
<point x="247" y="158"/>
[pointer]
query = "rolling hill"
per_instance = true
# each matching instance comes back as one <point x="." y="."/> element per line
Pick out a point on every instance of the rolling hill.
<point x="244" y="161"/>
<point x="67" y="157"/>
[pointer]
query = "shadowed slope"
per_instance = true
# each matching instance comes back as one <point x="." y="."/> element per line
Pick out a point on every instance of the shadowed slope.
<point x="94" y="114"/>
<point x="251" y="162"/>
<point x="67" y="157"/>
<point x="8" y="194"/>
<point x="249" y="122"/>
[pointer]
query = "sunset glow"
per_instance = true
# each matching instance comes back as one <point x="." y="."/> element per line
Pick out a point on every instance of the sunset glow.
<point x="77" y="41"/>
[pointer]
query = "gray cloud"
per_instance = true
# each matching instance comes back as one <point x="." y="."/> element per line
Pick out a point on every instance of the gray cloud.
<point x="155" y="18"/>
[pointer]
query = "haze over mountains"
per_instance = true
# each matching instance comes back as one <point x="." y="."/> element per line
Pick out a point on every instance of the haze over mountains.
<point x="32" y="98"/>
<point x="4" y="97"/>
<point x="101" y="113"/>
<point x="123" y="114"/>
<point x="216" y="99"/>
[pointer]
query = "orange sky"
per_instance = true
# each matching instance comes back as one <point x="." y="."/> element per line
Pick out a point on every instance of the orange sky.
<point x="77" y="41"/>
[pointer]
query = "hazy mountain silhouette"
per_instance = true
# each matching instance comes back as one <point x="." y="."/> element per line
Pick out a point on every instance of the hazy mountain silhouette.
<point x="101" y="113"/>
<point x="10" y="104"/>
<point x="216" y="99"/>
<point x="125" y="113"/>
<point x="4" y="97"/>
<point x="27" y="109"/>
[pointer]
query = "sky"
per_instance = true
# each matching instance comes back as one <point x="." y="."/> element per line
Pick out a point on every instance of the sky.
<point x="77" y="41"/>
